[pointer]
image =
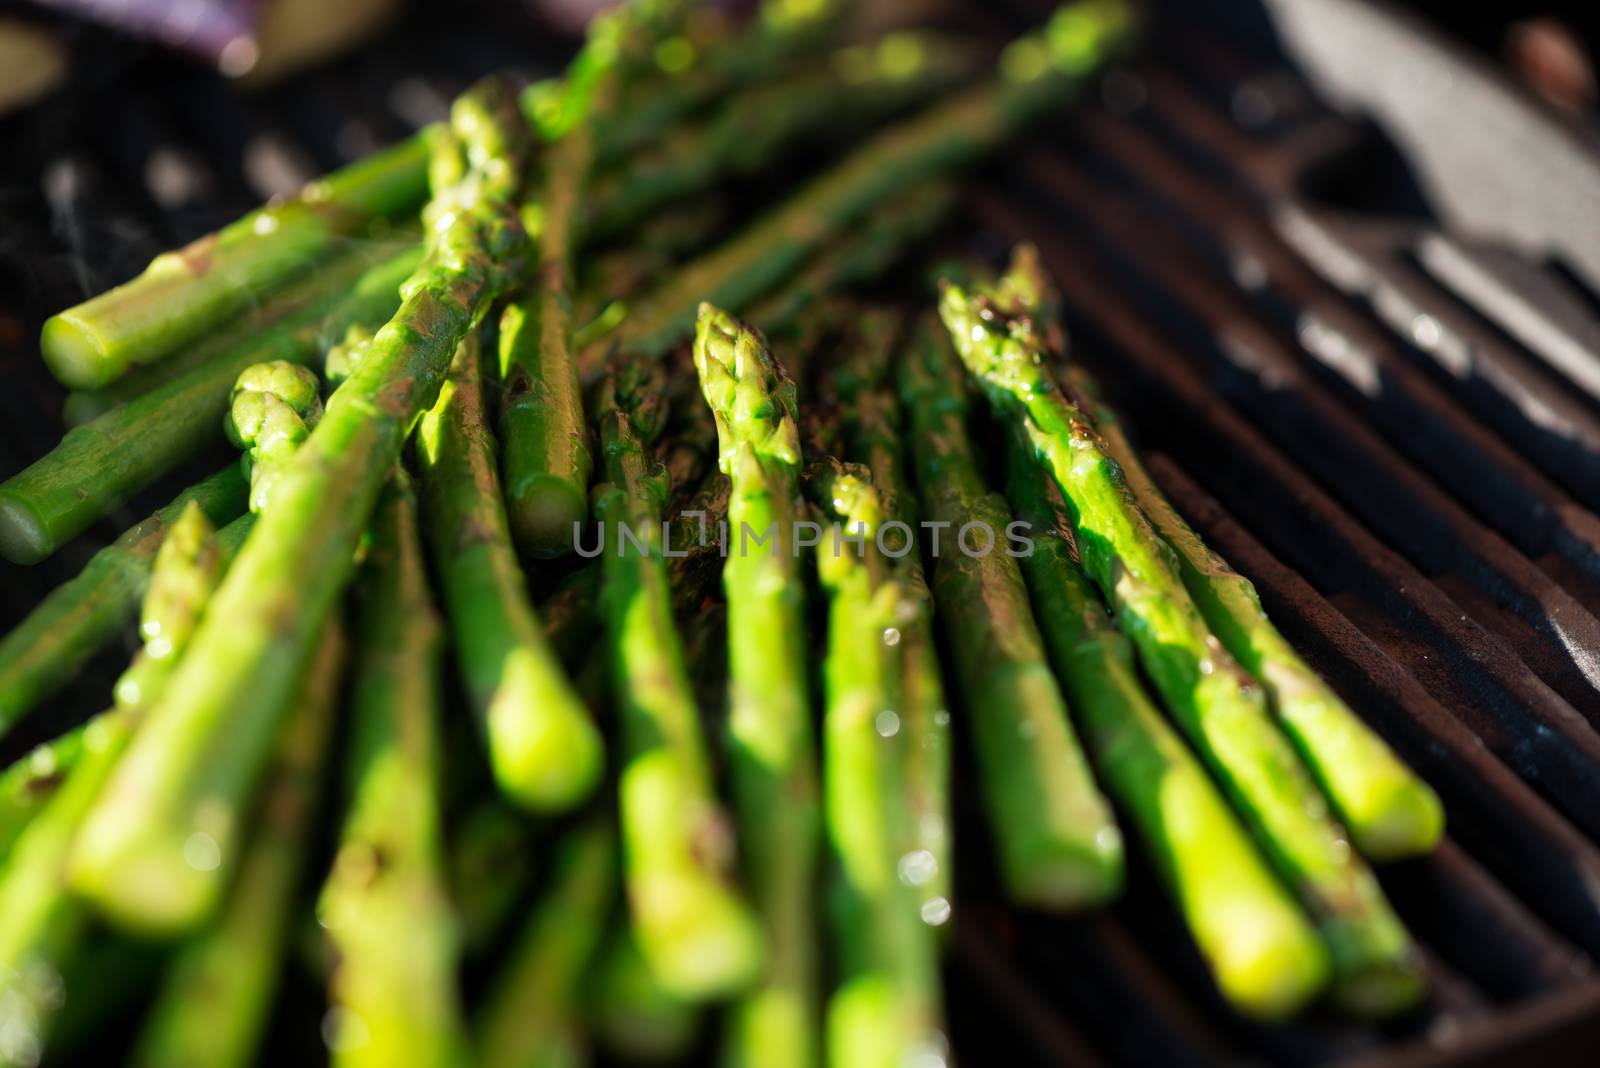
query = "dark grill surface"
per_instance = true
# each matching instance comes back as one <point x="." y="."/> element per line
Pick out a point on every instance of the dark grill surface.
<point x="1392" y="429"/>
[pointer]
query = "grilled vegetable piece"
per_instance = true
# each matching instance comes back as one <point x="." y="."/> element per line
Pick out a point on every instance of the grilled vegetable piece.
<point x="544" y="749"/>
<point x="885" y="1012"/>
<point x="1215" y="875"/>
<point x="690" y="922"/>
<point x="533" y="1015"/>
<point x="215" y="1002"/>
<point x="270" y="414"/>
<point x="1219" y="707"/>
<point x="45" y="926"/>
<point x="1390" y="812"/>
<point x="1058" y="844"/>
<point x="81" y="616"/>
<point x="203" y="747"/>
<point x="385" y="904"/>
<point x="770" y="745"/>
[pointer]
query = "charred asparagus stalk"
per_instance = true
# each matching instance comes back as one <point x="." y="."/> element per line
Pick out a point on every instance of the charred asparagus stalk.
<point x="385" y="903"/>
<point x="693" y="927"/>
<point x="771" y="751"/>
<point x="543" y="747"/>
<point x="202" y="749"/>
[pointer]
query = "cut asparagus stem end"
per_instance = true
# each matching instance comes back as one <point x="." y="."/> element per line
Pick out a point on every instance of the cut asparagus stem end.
<point x="1380" y="990"/>
<point x="710" y="949"/>
<point x="23" y="539"/>
<point x="75" y="353"/>
<point x="543" y="516"/>
<point x="1270" y="971"/>
<point x="1406" y="821"/>
<point x="545" y="763"/>
<point x="152" y="887"/>
<point x="1057" y="876"/>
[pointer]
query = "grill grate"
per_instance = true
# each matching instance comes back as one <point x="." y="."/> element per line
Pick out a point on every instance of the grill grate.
<point x="1391" y="431"/>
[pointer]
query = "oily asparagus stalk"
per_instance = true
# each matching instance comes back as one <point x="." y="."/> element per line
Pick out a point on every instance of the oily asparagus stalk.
<point x="693" y="927"/>
<point x="532" y="1015"/>
<point x="1390" y="812"/>
<point x="45" y="926"/>
<point x="202" y="748"/>
<point x="1263" y="953"/>
<point x="81" y="616"/>
<point x="215" y="1003"/>
<point x="769" y="721"/>
<point x="543" y="746"/>
<point x="870" y="427"/>
<point x="629" y="1013"/>
<point x="114" y="456"/>
<point x="1038" y="72"/>
<point x="1058" y="844"/>
<point x="186" y="293"/>
<point x="270" y="414"/>
<point x="1216" y="703"/>
<point x="318" y="285"/>
<point x="385" y="904"/>
<point x="885" y="1011"/>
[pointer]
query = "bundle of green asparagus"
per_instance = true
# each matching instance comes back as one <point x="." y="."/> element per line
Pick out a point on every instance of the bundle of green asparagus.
<point x="807" y="593"/>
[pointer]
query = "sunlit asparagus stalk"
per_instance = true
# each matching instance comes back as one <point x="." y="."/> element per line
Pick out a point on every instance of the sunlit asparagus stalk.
<point x="44" y="925"/>
<point x="81" y="616"/>
<point x="1057" y="842"/>
<point x="1390" y="812"/>
<point x="770" y="746"/>
<point x="1216" y="703"/>
<point x="385" y="904"/>
<point x="543" y="747"/>
<point x="532" y="1017"/>
<point x="215" y="1002"/>
<point x="112" y="457"/>
<point x="203" y="747"/>
<point x="885" y="1011"/>
<point x="691" y="924"/>
<point x="1220" y="883"/>
<point x="1037" y="72"/>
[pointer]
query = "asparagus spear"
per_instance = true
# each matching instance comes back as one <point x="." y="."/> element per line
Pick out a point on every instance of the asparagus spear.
<point x="543" y="747"/>
<point x="1262" y="952"/>
<point x="385" y="903"/>
<point x="774" y="775"/>
<point x="885" y="1011"/>
<point x="201" y="751"/>
<point x="1220" y="708"/>
<point x="184" y="294"/>
<point x="1037" y="72"/>
<point x="531" y="1018"/>
<point x="44" y="926"/>
<point x="78" y="618"/>
<point x="629" y="1012"/>
<point x="216" y="1000"/>
<point x="693" y="927"/>
<point x="1058" y="844"/>
<point x="313" y="287"/>
<point x="109" y="458"/>
<point x="29" y="783"/>
<point x="869" y="420"/>
<point x="270" y="414"/>
<point x="1390" y="812"/>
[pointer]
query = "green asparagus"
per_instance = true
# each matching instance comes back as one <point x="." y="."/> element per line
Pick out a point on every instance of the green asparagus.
<point x="628" y="1011"/>
<point x="774" y="774"/>
<point x="885" y="1011"/>
<point x="694" y="929"/>
<point x="1216" y="703"/>
<point x="83" y="615"/>
<point x="543" y="747"/>
<point x="1058" y="844"/>
<point x="215" y="1003"/>
<point x="1264" y="955"/>
<point x="200" y="753"/>
<point x="385" y="903"/>
<point x="533" y="1013"/>
<point x="45" y="926"/>
<point x="1390" y="812"/>
<point x="270" y="414"/>
<point x="110" y="458"/>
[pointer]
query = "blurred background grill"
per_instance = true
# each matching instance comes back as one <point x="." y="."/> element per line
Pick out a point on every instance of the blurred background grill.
<point x="1364" y="359"/>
